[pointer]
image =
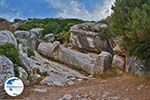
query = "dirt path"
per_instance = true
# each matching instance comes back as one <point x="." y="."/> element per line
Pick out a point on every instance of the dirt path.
<point x="124" y="88"/>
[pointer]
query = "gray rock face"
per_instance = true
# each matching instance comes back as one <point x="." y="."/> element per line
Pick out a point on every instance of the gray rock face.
<point x="22" y="74"/>
<point x="55" y="80"/>
<point x="119" y="62"/>
<point x="7" y="36"/>
<point x="70" y="57"/>
<point x="49" y="37"/>
<point x="37" y="32"/>
<point x="23" y="34"/>
<point x="6" y="71"/>
<point x="66" y="97"/>
<point x="103" y="62"/>
<point x="84" y="37"/>
<point x="136" y="65"/>
<point x="29" y="38"/>
<point x="24" y="62"/>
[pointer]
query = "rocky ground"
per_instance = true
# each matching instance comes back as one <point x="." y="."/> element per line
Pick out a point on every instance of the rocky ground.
<point x="58" y="72"/>
<point x="125" y="87"/>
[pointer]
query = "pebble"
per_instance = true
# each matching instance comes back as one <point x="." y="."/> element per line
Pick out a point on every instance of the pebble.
<point x="66" y="97"/>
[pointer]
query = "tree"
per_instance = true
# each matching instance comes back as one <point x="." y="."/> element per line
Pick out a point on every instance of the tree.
<point x="131" y="21"/>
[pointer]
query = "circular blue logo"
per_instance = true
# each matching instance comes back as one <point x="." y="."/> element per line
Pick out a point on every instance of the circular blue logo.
<point x="14" y="86"/>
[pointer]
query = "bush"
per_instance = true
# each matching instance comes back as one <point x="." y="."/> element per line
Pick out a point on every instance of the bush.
<point x="130" y="20"/>
<point x="110" y="73"/>
<point x="10" y="51"/>
<point x="50" y="25"/>
<point x="30" y="52"/>
<point x="65" y="36"/>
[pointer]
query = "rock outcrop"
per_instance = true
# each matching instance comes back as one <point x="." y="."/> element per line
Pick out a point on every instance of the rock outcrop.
<point x="65" y="55"/>
<point x="85" y="36"/>
<point x="75" y="59"/>
<point x="29" y="38"/>
<point x="103" y="62"/>
<point x="119" y="62"/>
<point x="25" y="63"/>
<point x="136" y="65"/>
<point x="7" y="36"/>
<point x="6" y="71"/>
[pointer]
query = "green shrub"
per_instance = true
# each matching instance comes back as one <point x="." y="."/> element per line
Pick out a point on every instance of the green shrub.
<point x="10" y="51"/>
<point x="42" y="73"/>
<point x="131" y="21"/>
<point x="30" y="52"/>
<point x="50" y="25"/>
<point x="110" y="73"/>
<point x="65" y="36"/>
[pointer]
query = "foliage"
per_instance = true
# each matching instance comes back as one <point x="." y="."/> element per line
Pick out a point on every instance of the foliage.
<point x="42" y="73"/>
<point x="10" y="51"/>
<point x="30" y="52"/>
<point x="3" y="20"/>
<point x="131" y="21"/>
<point x="110" y="73"/>
<point x="65" y="36"/>
<point x="50" y="25"/>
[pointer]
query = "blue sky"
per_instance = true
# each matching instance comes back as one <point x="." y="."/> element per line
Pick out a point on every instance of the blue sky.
<point x="82" y="9"/>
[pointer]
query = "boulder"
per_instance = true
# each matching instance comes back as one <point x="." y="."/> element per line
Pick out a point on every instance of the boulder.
<point x="55" y="80"/>
<point x="119" y="50"/>
<point x="22" y="74"/>
<point x="24" y="62"/>
<point x="103" y="62"/>
<point x="65" y="55"/>
<point x="136" y="65"/>
<point x="119" y="62"/>
<point x="52" y="67"/>
<point x="49" y="37"/>
<point x="7" y="36"/>
<point x="75" y="59"/>
<point x="84" y="37"/>
<point x="37" y="32"/>
<point x="23" y="34"/>
<point x="6" y="71"/>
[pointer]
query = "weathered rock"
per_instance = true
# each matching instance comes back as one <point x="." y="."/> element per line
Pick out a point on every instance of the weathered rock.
<point x="49" y="37"/>
<point x="50" y="67"/>
<point x="103" y="62"/>
<point x="119" y="62"/>
<point x="136" y="65"/>
<point x="55" y="80"/>
<point x="33" y="43"/>
<point x="7" y="36"/>
<point x="23" y="34"/>
<point x="6" y="71"/>
<point x="70" y="57"/>
<point x="83" y="37"/>
<point x="66" y="97"/>
<point x="24" y="62"/>
<point x="119" y="50"/>
<point x="37" y="32"/>
<point x="22" y="74"/>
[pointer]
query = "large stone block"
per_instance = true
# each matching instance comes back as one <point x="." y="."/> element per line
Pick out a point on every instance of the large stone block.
<point x="7" y="36"/>
<point x="85" y="37"/>
<point x="6" y="71"/>
<point x="74" y="59"/>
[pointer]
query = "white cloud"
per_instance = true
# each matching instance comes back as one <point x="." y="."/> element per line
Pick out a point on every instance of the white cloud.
<point x="75" y="10"/>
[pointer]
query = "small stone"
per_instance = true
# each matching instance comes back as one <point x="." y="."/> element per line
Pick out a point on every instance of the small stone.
<point x="40" y="90"/>
<point x="70" y="83"/>
<point x="140" y="87"/>
<point x="66" y="97"/>
<point x="79" y="79"/>
<point x="126" y="99"/>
